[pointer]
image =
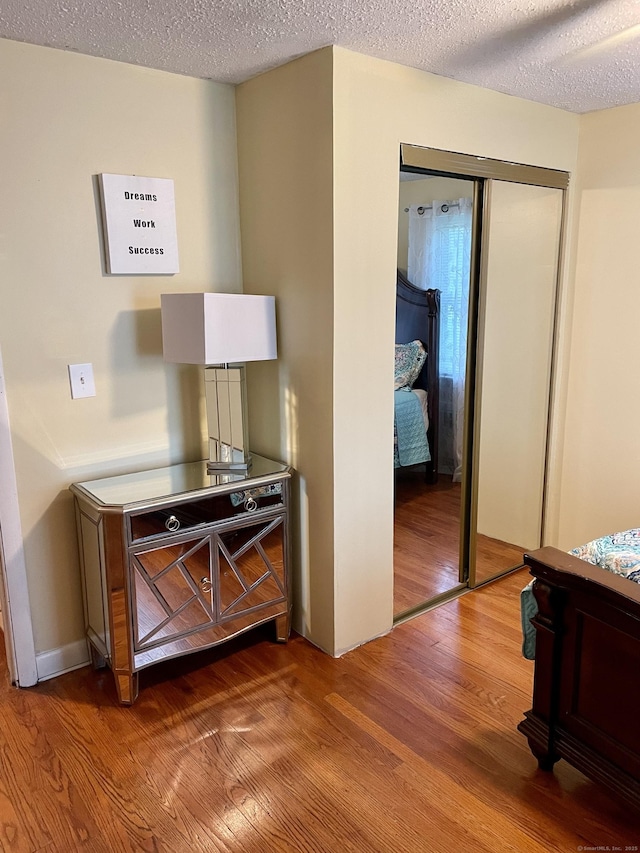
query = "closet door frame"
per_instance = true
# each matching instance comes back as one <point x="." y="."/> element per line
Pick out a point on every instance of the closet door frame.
<point x="484" y="170"/>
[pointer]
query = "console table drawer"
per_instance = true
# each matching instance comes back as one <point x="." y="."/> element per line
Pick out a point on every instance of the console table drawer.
<point x="189" y="515"/>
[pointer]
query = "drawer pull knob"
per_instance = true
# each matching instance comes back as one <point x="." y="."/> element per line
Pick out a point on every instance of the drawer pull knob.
<point x="172" y="523"/>
<point x="251" y="505"/>
<point x="206" y="584"/>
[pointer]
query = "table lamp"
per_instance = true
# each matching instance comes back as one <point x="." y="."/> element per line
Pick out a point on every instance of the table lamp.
<point x="218" y="330"/>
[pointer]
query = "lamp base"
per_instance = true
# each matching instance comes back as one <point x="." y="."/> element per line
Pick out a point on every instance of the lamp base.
<point x="226" y="400"/>
<point x="215" y="467"/>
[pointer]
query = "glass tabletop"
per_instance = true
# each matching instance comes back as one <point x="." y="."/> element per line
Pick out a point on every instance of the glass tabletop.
<point x="174" y="481"/>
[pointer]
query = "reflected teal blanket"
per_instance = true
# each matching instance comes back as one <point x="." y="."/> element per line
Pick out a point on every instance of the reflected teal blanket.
<point x="410" y="446"/>
<point x="528" y="609"/>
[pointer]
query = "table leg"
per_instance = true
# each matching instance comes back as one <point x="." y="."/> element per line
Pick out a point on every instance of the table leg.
<point x="127" y="687"/>
<point x="282" y="624"/>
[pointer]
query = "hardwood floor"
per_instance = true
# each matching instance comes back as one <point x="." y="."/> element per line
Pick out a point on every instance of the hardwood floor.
<point x="407" y="744"/>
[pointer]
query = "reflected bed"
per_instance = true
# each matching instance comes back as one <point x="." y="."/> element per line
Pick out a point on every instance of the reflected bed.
<point x="417" y="402"/>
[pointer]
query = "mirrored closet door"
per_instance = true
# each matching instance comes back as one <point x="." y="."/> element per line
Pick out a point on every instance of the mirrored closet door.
<point x="516" y="313"/>
<point x="483" y="505"/>
<point x="435" y="220"/>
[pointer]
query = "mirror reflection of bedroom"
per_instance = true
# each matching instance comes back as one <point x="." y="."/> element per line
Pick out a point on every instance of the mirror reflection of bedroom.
<point x="475" y="306"/>
<point x="434" y="245"/>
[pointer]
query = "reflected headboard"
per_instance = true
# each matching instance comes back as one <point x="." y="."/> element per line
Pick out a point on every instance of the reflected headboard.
<point x="418" y="318"/>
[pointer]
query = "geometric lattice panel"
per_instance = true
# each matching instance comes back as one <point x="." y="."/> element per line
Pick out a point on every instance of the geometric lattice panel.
<point x="173" y="591"/>
<point x="251" y="563"/>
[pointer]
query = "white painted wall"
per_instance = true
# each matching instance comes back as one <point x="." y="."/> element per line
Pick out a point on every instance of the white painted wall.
<point x="65" y="119"/>
<point x="14" y="593"/>
<point x="601" y="460"/>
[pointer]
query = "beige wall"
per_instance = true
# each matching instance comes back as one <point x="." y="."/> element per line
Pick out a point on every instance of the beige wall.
<point x="601" y="462"/>
<point x="378" y="105"/>
<point x="65" y="119"/>
<point x="338" y="363"/>
<point x="286" y="190"/>
<point x="318" y="148"/>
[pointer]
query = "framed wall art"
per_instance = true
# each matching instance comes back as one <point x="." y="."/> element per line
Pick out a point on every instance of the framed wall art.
<point x="139" y="224"/>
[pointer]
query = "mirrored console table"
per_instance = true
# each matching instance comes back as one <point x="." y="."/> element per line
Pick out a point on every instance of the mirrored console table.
<point x="176" y="560"/>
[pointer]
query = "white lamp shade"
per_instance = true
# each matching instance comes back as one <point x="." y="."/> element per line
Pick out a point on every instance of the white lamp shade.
<point x="218" y="328"/>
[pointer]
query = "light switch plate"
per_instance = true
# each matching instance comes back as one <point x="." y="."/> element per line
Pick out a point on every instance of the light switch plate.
<point x="81" y="380"/>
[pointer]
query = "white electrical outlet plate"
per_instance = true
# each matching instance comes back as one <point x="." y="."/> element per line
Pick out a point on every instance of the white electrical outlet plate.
<point x="81" y="380"/>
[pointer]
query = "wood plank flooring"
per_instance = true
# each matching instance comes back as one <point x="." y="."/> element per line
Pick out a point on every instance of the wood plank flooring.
<point x="407" y="744"/>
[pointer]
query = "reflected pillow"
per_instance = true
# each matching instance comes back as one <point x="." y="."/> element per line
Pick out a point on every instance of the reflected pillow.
<point x="409" y="361"/>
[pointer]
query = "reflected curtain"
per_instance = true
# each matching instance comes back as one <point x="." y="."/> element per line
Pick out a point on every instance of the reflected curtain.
<point x="440" y="257"/>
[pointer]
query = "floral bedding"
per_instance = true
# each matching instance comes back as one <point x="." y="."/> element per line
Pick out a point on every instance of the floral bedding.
<point x="618" y="553"/>
<point x="409" y="361"/>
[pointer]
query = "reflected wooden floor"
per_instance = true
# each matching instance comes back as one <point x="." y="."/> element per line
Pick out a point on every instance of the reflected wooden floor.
<point x="427" y="542"/>
<point x="426" y="539"/>
<point x="406" y="744"/>
<point x="493" y="554"/>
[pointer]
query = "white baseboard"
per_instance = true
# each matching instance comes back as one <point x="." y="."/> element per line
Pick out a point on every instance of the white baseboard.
<point x="64" y="659"/>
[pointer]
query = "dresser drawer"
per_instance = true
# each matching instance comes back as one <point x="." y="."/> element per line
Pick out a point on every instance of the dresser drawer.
<point x="208" y="510"/>
<point x="179" y="559"/>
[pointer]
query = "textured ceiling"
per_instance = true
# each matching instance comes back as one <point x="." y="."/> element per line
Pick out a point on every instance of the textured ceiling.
<point x="580" y="55"/>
